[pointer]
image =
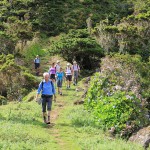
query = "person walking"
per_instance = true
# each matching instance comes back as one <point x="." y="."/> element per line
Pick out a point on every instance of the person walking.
<point x="57" y="66"/>
<point x="52" y="72"/>
<point x="68" y="75"/>
<point x="60" y="76"/>
<point x="76" y="71"/>
<point x="37" y="64"/>
<point x="47" y="90"/>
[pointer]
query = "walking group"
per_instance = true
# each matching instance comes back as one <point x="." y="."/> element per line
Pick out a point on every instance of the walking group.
<point x="55" y="77"/>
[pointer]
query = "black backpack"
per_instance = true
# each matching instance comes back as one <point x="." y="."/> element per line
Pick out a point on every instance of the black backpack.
<point x="51" y="84"/>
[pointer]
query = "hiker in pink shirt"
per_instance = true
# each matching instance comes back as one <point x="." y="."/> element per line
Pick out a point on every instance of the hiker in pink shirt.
<point x="52" y="72"/>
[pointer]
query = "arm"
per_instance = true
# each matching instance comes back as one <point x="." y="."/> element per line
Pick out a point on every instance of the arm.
<point x="39" y="90"/>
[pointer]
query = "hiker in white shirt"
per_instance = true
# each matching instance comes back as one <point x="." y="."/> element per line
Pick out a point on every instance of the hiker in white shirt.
<point x="57" y="66"/>
<point x="68" y="75"/>
<point x="76" y="71"/>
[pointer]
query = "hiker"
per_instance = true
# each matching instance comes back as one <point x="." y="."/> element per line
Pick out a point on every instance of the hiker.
<point x="68" y="75"/>
<point x="60" y="76"/>
<point x="47" y="90"/>
<point x="76" y="71"/>
<point x="37" y="64"/>
<point x="57" y="66"/>
<point x="52" y="72"/>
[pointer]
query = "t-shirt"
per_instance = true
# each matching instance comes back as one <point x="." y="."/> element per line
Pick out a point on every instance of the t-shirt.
<point x="60" y="75"/>
<point x="52" y="70"/>
<point x="76" y="67"/>
<point x="57" y="68"/>
<point x="68" y="71"/>
<point x="37" y="60"/>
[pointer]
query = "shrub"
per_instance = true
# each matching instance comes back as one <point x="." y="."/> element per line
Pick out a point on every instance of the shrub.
<point x="78" y="45"/>
<point x="3" y="100"/>
<point x="116" y="95"/>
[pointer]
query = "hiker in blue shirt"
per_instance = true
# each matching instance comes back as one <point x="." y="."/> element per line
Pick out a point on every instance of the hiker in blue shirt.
<point x="47" y="90"/>
<point x="60" y="76"/>
<point x="37" y="64"/>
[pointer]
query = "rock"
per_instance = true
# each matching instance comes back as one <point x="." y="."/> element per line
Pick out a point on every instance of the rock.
<point x="79" y="89"/>
<point x="87" y="80"/>
<point x="78" y="102"/>
<point x="142" y="137"/>
<point x="85" y="92"/>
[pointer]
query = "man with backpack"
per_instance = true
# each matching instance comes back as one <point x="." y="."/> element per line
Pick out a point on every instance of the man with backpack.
<point x="37" y="64"/>
<point x="76" y="71"/>
<point x="47" y="90"/>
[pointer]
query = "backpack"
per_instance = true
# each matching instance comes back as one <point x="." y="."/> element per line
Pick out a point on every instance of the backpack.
<point x="51" y="84"/>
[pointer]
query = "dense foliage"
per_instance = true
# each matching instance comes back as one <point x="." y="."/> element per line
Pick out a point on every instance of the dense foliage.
<point x="118" y="95"/>
<point x="15" y="81"/>
<point x="78" y="45"/>
<point x="130" y="35"/>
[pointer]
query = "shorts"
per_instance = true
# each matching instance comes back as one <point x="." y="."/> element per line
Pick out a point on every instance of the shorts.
<point x="46" y="102"/>
<point x="59" y="83"/>
<point x="37" y="65"/>
<point x="52" y="76"/>
<point x="69" y="77"/>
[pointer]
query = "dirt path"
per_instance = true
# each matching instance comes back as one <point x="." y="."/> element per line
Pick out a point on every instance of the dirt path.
<point x="59" y="106"/>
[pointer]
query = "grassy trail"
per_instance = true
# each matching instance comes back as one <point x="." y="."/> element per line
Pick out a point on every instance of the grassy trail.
<point x="72" y="127"/>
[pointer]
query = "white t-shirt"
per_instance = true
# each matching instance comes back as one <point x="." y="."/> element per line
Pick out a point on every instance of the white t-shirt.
<point x="68" y="71"/>
<point x="57" y="68"/>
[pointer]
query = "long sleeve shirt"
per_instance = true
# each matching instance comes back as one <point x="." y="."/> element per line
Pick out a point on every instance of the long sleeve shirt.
<point x="47" y="89"/>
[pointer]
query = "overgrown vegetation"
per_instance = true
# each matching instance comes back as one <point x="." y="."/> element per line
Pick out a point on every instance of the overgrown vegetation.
<point x="78" y="45"/>
<point x="118" y="95"/>
<point x="15" y="81"/>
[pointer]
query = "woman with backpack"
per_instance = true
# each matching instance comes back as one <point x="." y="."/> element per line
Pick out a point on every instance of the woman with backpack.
<point x="47" y="90"/>
<point x="68" y="75"/>
<point x="76" y="71"/>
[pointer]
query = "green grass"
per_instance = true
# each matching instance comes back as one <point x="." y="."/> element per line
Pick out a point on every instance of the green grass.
<point x="77" y="128"/>
<point x="21" y="127"/>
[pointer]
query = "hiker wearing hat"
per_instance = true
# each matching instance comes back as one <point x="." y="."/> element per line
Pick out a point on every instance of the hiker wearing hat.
<point x="37" y="64"/>
<point x="76" y="71"/>
<point x="68" y="75"/>
<point x="57" y="66"/>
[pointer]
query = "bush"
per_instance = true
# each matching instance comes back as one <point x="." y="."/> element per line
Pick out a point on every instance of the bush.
<point x="3" y="100"/>
<point x="78" y="45"/>
<point x="15" y="81"/>
<point x="117" y="96"/>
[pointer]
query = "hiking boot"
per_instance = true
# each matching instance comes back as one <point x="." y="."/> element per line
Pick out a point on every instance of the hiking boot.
<point x="44" y="118"/>
<point x="48" y="122"/>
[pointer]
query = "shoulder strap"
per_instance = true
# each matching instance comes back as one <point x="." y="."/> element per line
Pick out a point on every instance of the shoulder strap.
<point x="42" y="85"/>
